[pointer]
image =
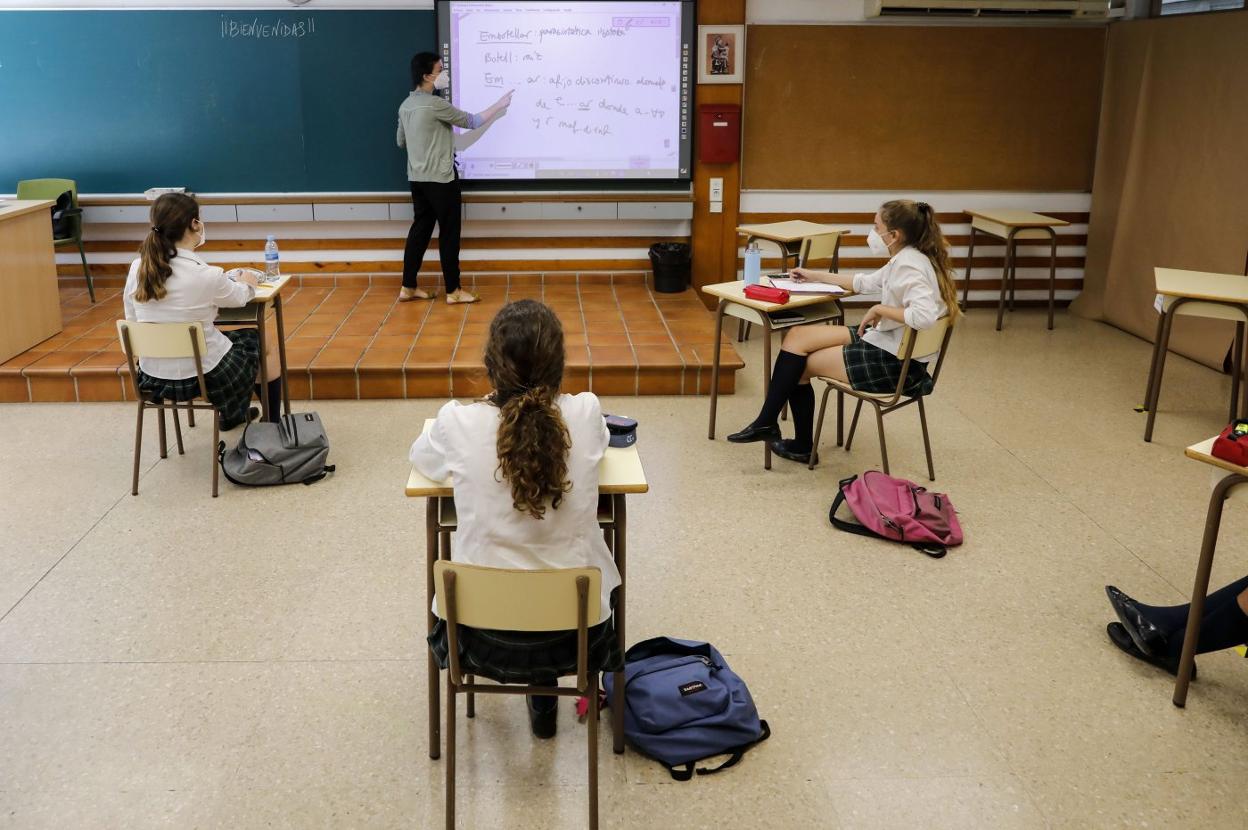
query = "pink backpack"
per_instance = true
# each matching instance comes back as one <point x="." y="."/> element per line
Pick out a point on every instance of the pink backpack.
<point x="893" y="508"/>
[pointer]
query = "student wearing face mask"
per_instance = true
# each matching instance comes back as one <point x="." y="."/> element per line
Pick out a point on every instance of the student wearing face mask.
<point x="916" y="288"/>
<point x="170" y="283"/>
<point x="425" y="129"/>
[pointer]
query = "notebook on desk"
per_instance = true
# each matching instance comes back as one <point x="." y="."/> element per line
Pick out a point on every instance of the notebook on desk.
<point x="794" y="287"/>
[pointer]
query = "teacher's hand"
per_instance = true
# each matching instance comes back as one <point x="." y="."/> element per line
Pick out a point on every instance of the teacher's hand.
<point x="505" y="102"/>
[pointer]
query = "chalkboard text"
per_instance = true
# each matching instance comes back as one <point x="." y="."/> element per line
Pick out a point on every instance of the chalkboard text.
<point x="255" y="30"/>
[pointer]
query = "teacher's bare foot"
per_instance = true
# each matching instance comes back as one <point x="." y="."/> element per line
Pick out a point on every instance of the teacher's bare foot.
<point x="461" y="296"/>
<point x="406" y="295"/>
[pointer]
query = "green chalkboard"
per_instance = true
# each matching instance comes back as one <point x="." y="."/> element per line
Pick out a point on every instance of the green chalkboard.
<point x="216" y="101"/>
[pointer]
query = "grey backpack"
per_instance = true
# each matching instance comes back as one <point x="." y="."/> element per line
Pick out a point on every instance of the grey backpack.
<point x="292" y="451"/>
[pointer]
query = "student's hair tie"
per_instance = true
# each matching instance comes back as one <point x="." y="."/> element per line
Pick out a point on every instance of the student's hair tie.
<point x="924" y="206"/>
<point x="155" y="229"/>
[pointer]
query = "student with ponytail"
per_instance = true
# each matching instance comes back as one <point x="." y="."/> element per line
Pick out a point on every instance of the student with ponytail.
<point x="169" y="283"/>
<point x="524" y="465"/>
<point x="916" y="288"/>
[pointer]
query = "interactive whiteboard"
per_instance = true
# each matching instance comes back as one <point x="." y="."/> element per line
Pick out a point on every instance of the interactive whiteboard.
<point x="602" y="89"/>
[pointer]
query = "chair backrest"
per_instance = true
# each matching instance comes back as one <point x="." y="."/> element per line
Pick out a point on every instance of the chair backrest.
<point x="47" y="189"/>
<point x="816" y="248"/>
<point x="161" y="339"/>
<point x="931" y="340"/>
<point x="518" y="600"/>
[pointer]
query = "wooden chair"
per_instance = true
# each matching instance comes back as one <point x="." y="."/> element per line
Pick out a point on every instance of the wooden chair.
<point x="814" y="249"/>
<point x="167" y="340"/>
<point x="914" y="342"/>
<point x="518" y="600"/>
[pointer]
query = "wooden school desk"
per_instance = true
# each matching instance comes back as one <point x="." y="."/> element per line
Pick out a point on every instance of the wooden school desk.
<point x="1012" y="225"/>
<point x="1182" y="288"/>
<point x="1236" y="476"/>
<point x="789" y="236"/>
<point x="30" y="304"/>
<point x="253" y="314"/>
<point x="619" y="474"/>
<point x="814" y="308"/>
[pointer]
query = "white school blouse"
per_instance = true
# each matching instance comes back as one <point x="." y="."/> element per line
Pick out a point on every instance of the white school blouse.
<point x="460" y="446"/>
<point x="195" y="291"/>
<point x="907" y="281"/>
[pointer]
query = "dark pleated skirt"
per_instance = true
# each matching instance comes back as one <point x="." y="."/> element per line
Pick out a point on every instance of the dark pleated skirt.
<point x="230" y="383"/>
<point x="531" y="657"/>
<point x="871" y="369"/>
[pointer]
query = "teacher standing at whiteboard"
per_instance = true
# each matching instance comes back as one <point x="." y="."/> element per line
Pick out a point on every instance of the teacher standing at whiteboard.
<point x="425" y="129"/>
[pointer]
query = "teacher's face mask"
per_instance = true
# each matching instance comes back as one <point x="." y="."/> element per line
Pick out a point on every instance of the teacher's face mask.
<point x="443" y="81"/>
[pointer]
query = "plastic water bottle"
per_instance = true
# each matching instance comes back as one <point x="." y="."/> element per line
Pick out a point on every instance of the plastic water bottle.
<point x="271" y="266"/>
<point x="753" y="264"/>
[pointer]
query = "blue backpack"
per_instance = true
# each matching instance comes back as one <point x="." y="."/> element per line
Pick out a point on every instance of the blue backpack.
<point x="683" y="705"/>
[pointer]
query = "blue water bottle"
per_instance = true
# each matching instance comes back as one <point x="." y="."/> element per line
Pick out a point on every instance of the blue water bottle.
<point x="753" y="264"/>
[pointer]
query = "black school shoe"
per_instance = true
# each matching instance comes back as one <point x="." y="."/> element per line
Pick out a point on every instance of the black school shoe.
<point x="1118" y="636"/>
<point x="1146" y="636"/>
<point x="750" y="434"/>
<point x="783" y="448"/>
<point x="543" y="715"/>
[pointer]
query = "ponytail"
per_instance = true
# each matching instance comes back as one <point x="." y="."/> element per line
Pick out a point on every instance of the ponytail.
<point x="524" y="359"/>
<point x="917" y="223"/>
<point x="172" y="215"/>
<point x="533" y="444"/>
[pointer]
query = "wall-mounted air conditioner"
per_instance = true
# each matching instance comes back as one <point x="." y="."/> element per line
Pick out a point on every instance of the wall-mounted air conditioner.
<point x="988" y="9"/>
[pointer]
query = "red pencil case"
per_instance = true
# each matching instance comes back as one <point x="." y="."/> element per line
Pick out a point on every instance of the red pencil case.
<point x="767" y="294"/>
<point x="1232" y="444"/>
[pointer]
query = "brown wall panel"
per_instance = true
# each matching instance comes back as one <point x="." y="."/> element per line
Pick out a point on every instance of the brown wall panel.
<point x="922" y="107"/>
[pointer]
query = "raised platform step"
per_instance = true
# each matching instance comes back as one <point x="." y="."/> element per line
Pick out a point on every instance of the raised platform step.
<point x="353" y="340"/>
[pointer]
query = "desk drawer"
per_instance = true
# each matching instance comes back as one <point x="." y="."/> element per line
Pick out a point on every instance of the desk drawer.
<point x="578" y="210"/>
<point x="495" y="211"/>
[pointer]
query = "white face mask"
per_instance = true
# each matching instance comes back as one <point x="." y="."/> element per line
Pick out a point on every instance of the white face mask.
<point x="443" y="81"/>
<point x="203" y="235"/>
<point x="876" y="243"/>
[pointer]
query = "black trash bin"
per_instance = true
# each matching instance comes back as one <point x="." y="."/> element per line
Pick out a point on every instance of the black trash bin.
<point x="671" y="264"/>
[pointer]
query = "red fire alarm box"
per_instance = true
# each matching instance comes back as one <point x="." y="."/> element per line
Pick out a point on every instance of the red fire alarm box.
<point x="719" y="133"/>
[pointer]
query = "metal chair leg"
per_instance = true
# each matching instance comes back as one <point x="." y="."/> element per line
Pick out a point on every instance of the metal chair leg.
<point x="160" y="424"/>
<point x="853" y="426"/>
<point x="471" y="709"/>
<point x="216" y="438"/>
<point x="190" y="414"/>
<point x="879" y="424"/>
<point x="138" y="451"/>
<point x="450" y="753"/>
<point x="927" y="444"/>
<point x="966" y="282"/>
<point x="1052" y="274"/>
<point x="840" y="418"/>
<point x="593" y="751"/>
<point x="177" y="430"/>
<point x="86" y="271"/>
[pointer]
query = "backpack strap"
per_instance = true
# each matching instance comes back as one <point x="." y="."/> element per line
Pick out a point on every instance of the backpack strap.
<point x="931" y="549"/>
<point x="326" y="470"/>
<point x="841" y="524"/>
<point x="685" y="772"/>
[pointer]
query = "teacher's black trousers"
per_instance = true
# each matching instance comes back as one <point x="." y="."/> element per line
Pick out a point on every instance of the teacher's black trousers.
<point x="434" y="203"/>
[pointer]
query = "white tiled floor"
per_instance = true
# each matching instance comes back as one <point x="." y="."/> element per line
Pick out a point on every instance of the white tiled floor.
<point x="257" y="660"/>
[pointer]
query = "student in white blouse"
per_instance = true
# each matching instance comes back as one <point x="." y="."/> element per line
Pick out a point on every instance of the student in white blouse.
<point x="916" y="289"/>
<point x="169" y="283"/>
<point x="523" y="462"/>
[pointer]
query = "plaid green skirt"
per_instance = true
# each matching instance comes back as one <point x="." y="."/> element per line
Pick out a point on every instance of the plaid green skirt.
<point x="871" y="369"/>
<point x="532" y="657"/>
<point x="229" y="384"/>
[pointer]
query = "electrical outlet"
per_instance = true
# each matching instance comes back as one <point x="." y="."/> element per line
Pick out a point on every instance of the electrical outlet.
<point x="717" y="207"/>
<point x="717" y="190"/>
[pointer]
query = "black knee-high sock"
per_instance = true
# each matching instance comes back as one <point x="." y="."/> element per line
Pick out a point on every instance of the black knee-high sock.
<point x="785" y="377"/>
<point x="1172" y="619"/>
<point x="1224" y="625"/>
<point x="802" y="405"/>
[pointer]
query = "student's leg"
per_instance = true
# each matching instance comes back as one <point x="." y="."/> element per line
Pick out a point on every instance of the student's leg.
<point x="447" y="201"/>
<point x="418" y="236"/>
<point x="787" y="375"/>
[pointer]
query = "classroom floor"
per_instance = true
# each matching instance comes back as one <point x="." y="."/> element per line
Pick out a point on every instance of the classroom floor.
<point x="348" y="339"/>
<point x="257" y="660"/>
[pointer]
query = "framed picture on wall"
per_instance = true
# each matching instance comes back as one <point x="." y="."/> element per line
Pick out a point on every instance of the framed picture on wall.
<point x="721" y="54"/>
